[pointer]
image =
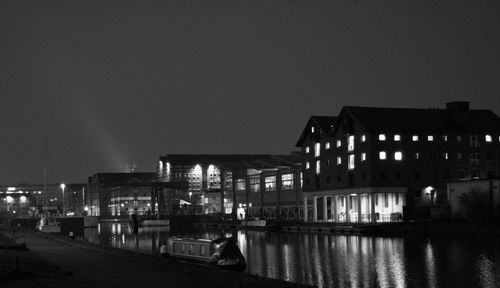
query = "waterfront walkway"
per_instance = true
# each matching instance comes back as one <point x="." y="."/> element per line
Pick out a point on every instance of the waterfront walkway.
<point x="58" y="261"/>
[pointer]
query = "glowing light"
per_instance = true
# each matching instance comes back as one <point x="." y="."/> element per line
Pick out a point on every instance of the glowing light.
<point x="317" y="149"/>
<point x="382" y="155"/>
<point x="339" y="143"/>
<point x="339" y="160"/>
<point x="430" y="138"/>
<point x="398" y="156"/>
<point x="414" y="138"/>
<point x="363" y="138"/>
<point x="351" y="162"/>
<point x="318" y="167"/>
<point x="381" y="137"/>
<point x="307" y="149"/>
<point x="350" y="143"/>
<point x="488" y="138"/>
<point x="363" y="156"/>
<point x="11" y="189"/>
<point x="327" y="145"/>
<point x="197" y="169"/>
<point x="307" y="165"/>
<point x="22" y="199"/>
<point x="9" y="199"/>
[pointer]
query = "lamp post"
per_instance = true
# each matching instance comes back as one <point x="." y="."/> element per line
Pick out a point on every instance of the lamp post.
<point x="63" y="204"/>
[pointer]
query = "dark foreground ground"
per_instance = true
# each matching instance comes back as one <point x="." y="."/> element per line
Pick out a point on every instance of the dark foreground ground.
<point x="58" y="261"/>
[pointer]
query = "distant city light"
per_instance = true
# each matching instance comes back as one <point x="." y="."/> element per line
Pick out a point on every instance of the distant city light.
<point x="11" y="189"/>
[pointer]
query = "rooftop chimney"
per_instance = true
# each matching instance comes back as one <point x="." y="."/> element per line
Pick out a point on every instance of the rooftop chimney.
<point x="458" y="111"/>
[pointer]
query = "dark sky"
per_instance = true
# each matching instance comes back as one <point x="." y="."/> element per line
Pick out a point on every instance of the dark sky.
<point x="114" y="82"/>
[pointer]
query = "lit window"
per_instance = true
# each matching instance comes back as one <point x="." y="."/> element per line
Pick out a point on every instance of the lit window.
<point x="414" y="138"/>
<point x="317" y="148"/>
<point x="363" y="156"/>
<point x="350" y="143"/>
<point x="307" y="165"/>
<point x="398" y="156"/>
<point x="351" y="162"/>
<point x="459" y="138"/>
<point x="339" y="160"/>
<point x="382" y="155"/>
<point x="339" y="143"/>
<point x="445" y="156"/>
<point x="318" y="169"/>
<point x="307" y="149"/>
<point x="397" y="137"/>
<point x="445" y="138"/>
<point x="381" y="137"/>
<point x="488" y="138"/>
<point x="287" y="181"/>
<point x="312" y="129"/>
<point x="363" y="138"/>
<point x="270" y="183"/>
<point x="327" y="145"/>
<point x="416" y="155"/>
<point x="430" y="138"/>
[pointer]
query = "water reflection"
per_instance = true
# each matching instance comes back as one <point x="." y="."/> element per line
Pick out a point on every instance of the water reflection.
<point x="327" y="260"/>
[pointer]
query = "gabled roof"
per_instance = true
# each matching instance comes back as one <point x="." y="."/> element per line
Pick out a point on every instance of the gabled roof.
<point x="235" y="161"/>
<point x="422" y="120"/>
<point x="325" y="124"/>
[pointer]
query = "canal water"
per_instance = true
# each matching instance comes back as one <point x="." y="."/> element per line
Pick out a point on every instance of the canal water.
<point x="326" y="260"/>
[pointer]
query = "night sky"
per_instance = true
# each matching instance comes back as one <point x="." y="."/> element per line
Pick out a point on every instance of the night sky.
<point x="114" y="82"/>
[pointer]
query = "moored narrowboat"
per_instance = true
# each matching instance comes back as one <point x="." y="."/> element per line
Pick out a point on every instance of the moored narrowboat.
<point x="222" y="252"/>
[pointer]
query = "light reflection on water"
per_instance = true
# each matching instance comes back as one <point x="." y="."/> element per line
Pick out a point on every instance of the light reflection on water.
<point x="327" y="260"/>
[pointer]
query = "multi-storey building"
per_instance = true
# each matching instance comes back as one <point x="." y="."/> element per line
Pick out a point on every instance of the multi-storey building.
<point x="118" y="195"/>
<point x="380" y="164"/>
<point x="247" y="186"/>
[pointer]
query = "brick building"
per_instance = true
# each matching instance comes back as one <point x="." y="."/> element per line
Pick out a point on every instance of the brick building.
<point x="247" y="186"/>
<point x="380" y="164"/>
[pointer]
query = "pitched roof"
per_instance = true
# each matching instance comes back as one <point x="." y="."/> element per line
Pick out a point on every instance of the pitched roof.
<point x="325" y="124"/>
<point x="422" y="120"/>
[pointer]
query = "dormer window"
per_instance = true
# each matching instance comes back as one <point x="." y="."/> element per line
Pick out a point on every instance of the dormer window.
<point x="363" y="138"/>
<point x="312" y="129"/>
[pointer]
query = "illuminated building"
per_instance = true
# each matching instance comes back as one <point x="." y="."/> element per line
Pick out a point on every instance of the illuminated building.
<point x="380" y="164"/>
<point x="117" y="195"/>
<point x="247" y="186"/>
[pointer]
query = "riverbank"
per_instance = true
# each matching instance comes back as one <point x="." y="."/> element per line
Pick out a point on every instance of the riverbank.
<point x="58" y="261"/>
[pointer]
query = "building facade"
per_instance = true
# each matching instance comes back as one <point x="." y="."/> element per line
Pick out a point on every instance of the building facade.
<point x="383" y="164"/>
<point x="118" y="195"/>
<point x="246" y="186"/>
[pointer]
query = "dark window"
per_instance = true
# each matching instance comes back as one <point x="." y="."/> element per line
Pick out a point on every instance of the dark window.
<point x="386" y="200"/>
<point x="489" y="174"/>
<point x="461" y="174"/>
<point x="433" y="175"/>
<point x="460" y="156"/>
<point x="431" y="156"/>
<point x="418" y="194"/>
<point x="376" y="199"/>
<point x="416" y="175"/>
<point x="383" y="176"/>
<point x="363" y="175"/>
<point x="307" y="181"/>
<point x="475" y="174"/>
<point x="446" y="175"/>
<point x="489" y="156"/>
<point x="339" y="178"/>
<point x="397" y="198"/>
<point x="398" y="175"/>
<point x="327" y="179"/>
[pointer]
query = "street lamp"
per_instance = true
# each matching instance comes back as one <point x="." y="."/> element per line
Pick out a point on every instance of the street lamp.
<point x="63" y="206"/>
